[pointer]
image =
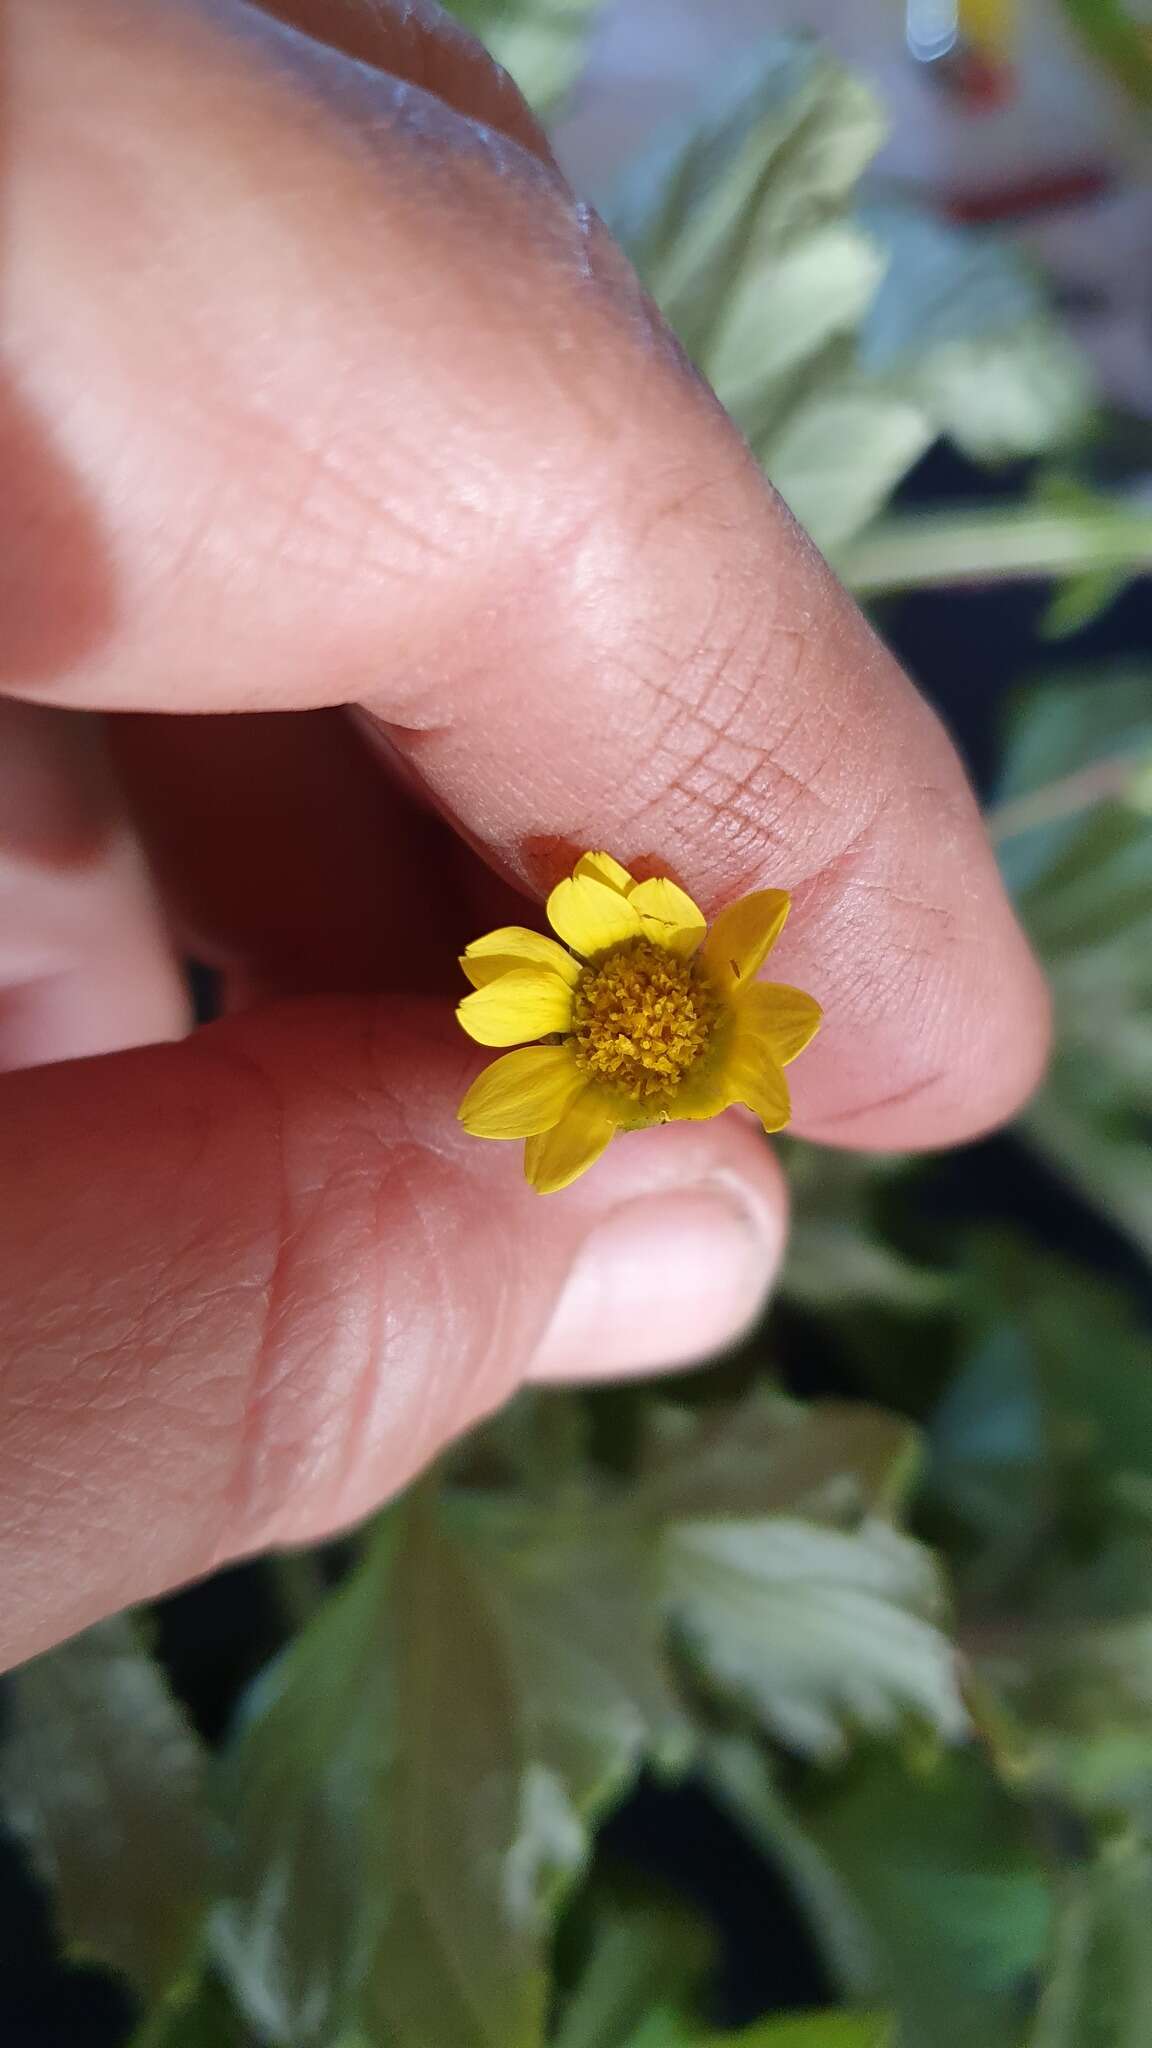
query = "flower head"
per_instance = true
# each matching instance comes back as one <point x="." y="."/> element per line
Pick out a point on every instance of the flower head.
<point x="645" y="1015"/>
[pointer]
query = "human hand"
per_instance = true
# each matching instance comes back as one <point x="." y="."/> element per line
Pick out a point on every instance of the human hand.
<point x="322" y="390"/>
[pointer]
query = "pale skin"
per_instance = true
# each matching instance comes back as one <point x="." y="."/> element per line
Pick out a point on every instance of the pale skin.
<point x="321" y="390"/>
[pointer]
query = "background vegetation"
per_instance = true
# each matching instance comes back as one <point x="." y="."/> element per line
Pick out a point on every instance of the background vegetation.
<point x="806" y="1703"/>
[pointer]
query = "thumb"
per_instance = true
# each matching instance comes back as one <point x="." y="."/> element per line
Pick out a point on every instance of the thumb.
<point x="255" y="1280"/>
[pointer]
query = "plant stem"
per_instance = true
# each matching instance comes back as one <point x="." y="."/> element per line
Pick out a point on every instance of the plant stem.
<point x="995" y="544"/>
<point x="1111" y="777"/>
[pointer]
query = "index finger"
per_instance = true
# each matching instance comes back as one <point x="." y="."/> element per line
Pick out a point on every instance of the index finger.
<point x="350" y="400"/>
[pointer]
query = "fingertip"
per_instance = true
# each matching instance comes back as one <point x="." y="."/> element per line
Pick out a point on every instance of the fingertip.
<point x="679" y="1260"/>
<point x="976" y="1052"/>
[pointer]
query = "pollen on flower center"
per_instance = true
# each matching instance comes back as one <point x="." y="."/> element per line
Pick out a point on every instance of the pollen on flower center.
<point x="641" y="1017"/>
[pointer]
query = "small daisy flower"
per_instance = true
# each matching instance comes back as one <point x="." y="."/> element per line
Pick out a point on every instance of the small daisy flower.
<point x="645" y="1015"/>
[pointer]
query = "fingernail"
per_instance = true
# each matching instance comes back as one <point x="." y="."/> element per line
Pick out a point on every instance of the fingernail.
<point x="664" y="1280"/>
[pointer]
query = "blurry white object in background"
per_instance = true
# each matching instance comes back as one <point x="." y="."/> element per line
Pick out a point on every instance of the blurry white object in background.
<point x="997" y="111"/>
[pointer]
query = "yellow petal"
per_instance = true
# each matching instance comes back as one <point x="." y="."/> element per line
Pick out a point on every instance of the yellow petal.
<point x="556" y="1157"/>
<point x="527" y="1003"/>
<point x="514" y="946"/>
<point x="602" y="868"/>
<point x="700" y="1096"/>
<point x="783" y="1018"/>
<point x="590" y="916"/>
<point x="525" y="1092"/>
<point x="754" y="1077"/>
<point x="742" y="936"/>
<point x="668" y="915"/>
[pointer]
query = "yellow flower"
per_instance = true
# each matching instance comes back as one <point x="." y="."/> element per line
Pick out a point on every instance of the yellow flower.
<point x="646" y="1015"/>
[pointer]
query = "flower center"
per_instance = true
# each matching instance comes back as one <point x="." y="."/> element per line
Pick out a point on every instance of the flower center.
<point x="641" y="1017"/>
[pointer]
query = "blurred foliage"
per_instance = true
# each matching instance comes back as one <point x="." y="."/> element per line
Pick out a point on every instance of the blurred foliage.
<point x="844" y="338"/>
<point x="1080" y="861"/>
<point x="102" y="1777"/>
<point x="541" y="42"/>
<point x="1065" y="528"/>
<point x="1117" y="33"/>
<point x="903" y="1638"/>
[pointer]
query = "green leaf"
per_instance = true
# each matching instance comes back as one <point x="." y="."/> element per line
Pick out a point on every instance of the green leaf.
<point x="1064" y="722"/>
<point x="1097" y="1990"/>
<point x="1044" y="1449"/>
<point x="1092" y="1359"/>
<point x="843" y="342"/>
<point x="987" y="1453"/>
<point x="1081" y="880"/>
<point x="839" y="452"/>
<point x="1090" y="590"/>
<point x="769" y="1455"/>
<point x="1050" y="1413"/>
<point x="817" y="1628"/>
<point x="1082" y="1701"/>
<point x="740" y="229"/>
<point x="822" y="285"/>
<point x="941" y="1866"/>
<point x="1084" y="598"/>
<point x="103" y="1780"/>
<point x="960" y="323"/>
<point x="716" y="208"/>
<point x="301" y="1897"/>
<point x="1098" y="545"/>
<point x="819" y="1632"/>
<point x="541" y="42"/>
<point x="414" y="1793"/>
<point x="640" y="1954"/>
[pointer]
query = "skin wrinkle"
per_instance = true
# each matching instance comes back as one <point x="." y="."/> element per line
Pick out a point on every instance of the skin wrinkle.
<point x="358" y="1408"/>
<point x="671" y="508"/>
<point x="423" y="1146"/>
<point x="705" y="726"/>
<point x="478" y="1362"/>
<point x="235" y="1489"/>
<point x="731" y="791"/>
<point x="203" y="524"/>
<point x="682" y="775"/>
<point x="809" y="784"/>
<point x="804" y="709"/>
<point x="479" y="689"/>
<point x="921" y="1086"/>
<point x="96" y="1380"/>
<point x="384" y="1378"/>
<point x="546" y="557"/>
<point x="360" y="526"/>
<point x="146" y="1335"/>
<point x="318" y="452"/>
<point x="107" y="1402"/>
<point x="832" y="885"/>
<point x="825" y="876"/>
<point x="891" y="895"/>
<point x="415" y="1383"/>
<point x="418" y="1377"/>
